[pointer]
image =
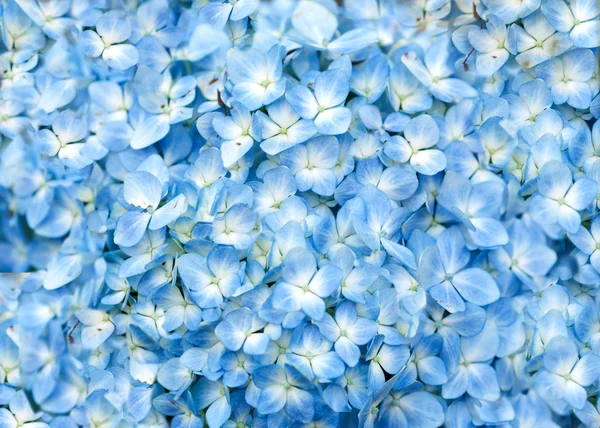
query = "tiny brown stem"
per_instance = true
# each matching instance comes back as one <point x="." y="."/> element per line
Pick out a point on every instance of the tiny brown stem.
<point x="465" y="65"/>
<point x="70" y="335"/>
<point x="221" y="103"/>
<point x="290" y="52"/>
<point x="476" y="16"/>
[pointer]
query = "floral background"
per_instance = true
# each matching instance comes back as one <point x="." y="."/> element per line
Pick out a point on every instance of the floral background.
<point x="299" y="213"/>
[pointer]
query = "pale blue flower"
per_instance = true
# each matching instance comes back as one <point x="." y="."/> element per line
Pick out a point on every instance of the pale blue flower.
<point x="369" y="79"/>
<point x="326" y="104"/>
<point x="347" y="331"/>
<point x="560" y="199"/>
<point x="257" y="78"/>
<point x="212" y="278"/>
<point x="435" y="73"/>
<point x="421" y="134"/>
<point x="312" y="164"/>
<point x="303" y="287"/>
<point x="314" y="25"/>
<point x="283" y="128"/>
<point x="565" y="375"/>
<point x="495" y="44"/>
<point x="567" y="77"/>
<point x="579" y="20"/>
<point x="112" y="29"/>
<point x="65" y="140"/>
<point x="142" y="190"/>
<point x="20" y="412"/>
<point x="284" y="388"/>
<point x="219" y="12"/>
<point x="406" y="93"/>
<point x="238" y="132"/>
<point x="442" y="272"/>
<point x="538" y="41"/>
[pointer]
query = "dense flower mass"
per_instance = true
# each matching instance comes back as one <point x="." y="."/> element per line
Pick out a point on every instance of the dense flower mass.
<point x="299" y="213"/>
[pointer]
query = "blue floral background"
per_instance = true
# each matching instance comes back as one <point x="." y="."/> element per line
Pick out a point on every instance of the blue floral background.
<point x="299" y="213"/>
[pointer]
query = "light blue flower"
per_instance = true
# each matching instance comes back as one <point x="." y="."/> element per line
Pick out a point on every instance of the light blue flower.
<point x="21" y="33"/>
<point x="312" y="164"/>
<point x="98" y="327"/>
<point x="303" y="287"/>
<point x="326" y="104"/>
<point x="398" y="182"/>
<point x="538" y="41"/>
<point x="347" y="330"/>
<point x="51" y="17"/>
<point x="165" y="103"/>
<point x="174" y="376"/>
<point x="534" y="97"/>
<point x="452" y="327"/>
<point x="20" y="412"/>
<point x="384" y="358"/>
<point x="152" y="20"/>
<point x="477" y="207"/>
<point x="577" y="19"/>
<point x="65" y="140"/>
<point x="240" y="328"/>
<point x="238" y="132"/>
<point x="494" y="45"/>
<point x="525" y="255"/>
<point x="214" y="397"/>
<point x="179" y="310"/>
<point x="560" y="199"/>
<point x="567" y="77"/>
<point x="284" y="388"/>
<point x="235" y="228"/>
<point x="149" y="248"/>
<point x="112" y="29"/>
<point x="182" y="409"/>
<point x="435" y="73"/>
<point x="220" y="11"/>
<point x="13" y="123"/>
<point x="257" y="78"/>
<point x="411" y="408"/>
<point x="406" y="93"/>
<point x="371" y="118"/>
<point x="314" y="25"/>
<point x="142" y="190"/>
<point x="443" y="272"/>
<point x="425" y="364"/>
<point x="283" y="128"/>
<point x="351" y="389"/>
<point x="212" y="278"/>
<point x="565" y="375"/>
<point x="313" y="355"/>
<point x="509" y="12"/>
<point x="370" y="78"/>
<point x="474" y="375"/>
<point x="421" y="134"/>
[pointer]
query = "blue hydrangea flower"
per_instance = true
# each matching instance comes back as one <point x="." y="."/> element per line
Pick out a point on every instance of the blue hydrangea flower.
<point x="299" y="213"/>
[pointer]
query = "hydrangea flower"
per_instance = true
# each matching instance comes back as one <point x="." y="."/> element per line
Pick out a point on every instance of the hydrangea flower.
<point x="299" y="213"/>
<point x="324" y="107"/>
<point x="112" y="29"/>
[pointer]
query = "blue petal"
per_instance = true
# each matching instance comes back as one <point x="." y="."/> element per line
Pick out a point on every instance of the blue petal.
<point x="302" y="101"/>
<point x="483" y="382"/>
<point x="299" y="405"/>
<point x="476" y="286"/>
<point x="131" y="227"/>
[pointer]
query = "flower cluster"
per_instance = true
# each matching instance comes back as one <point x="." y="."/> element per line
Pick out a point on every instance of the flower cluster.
<point x="299" y="213"/>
